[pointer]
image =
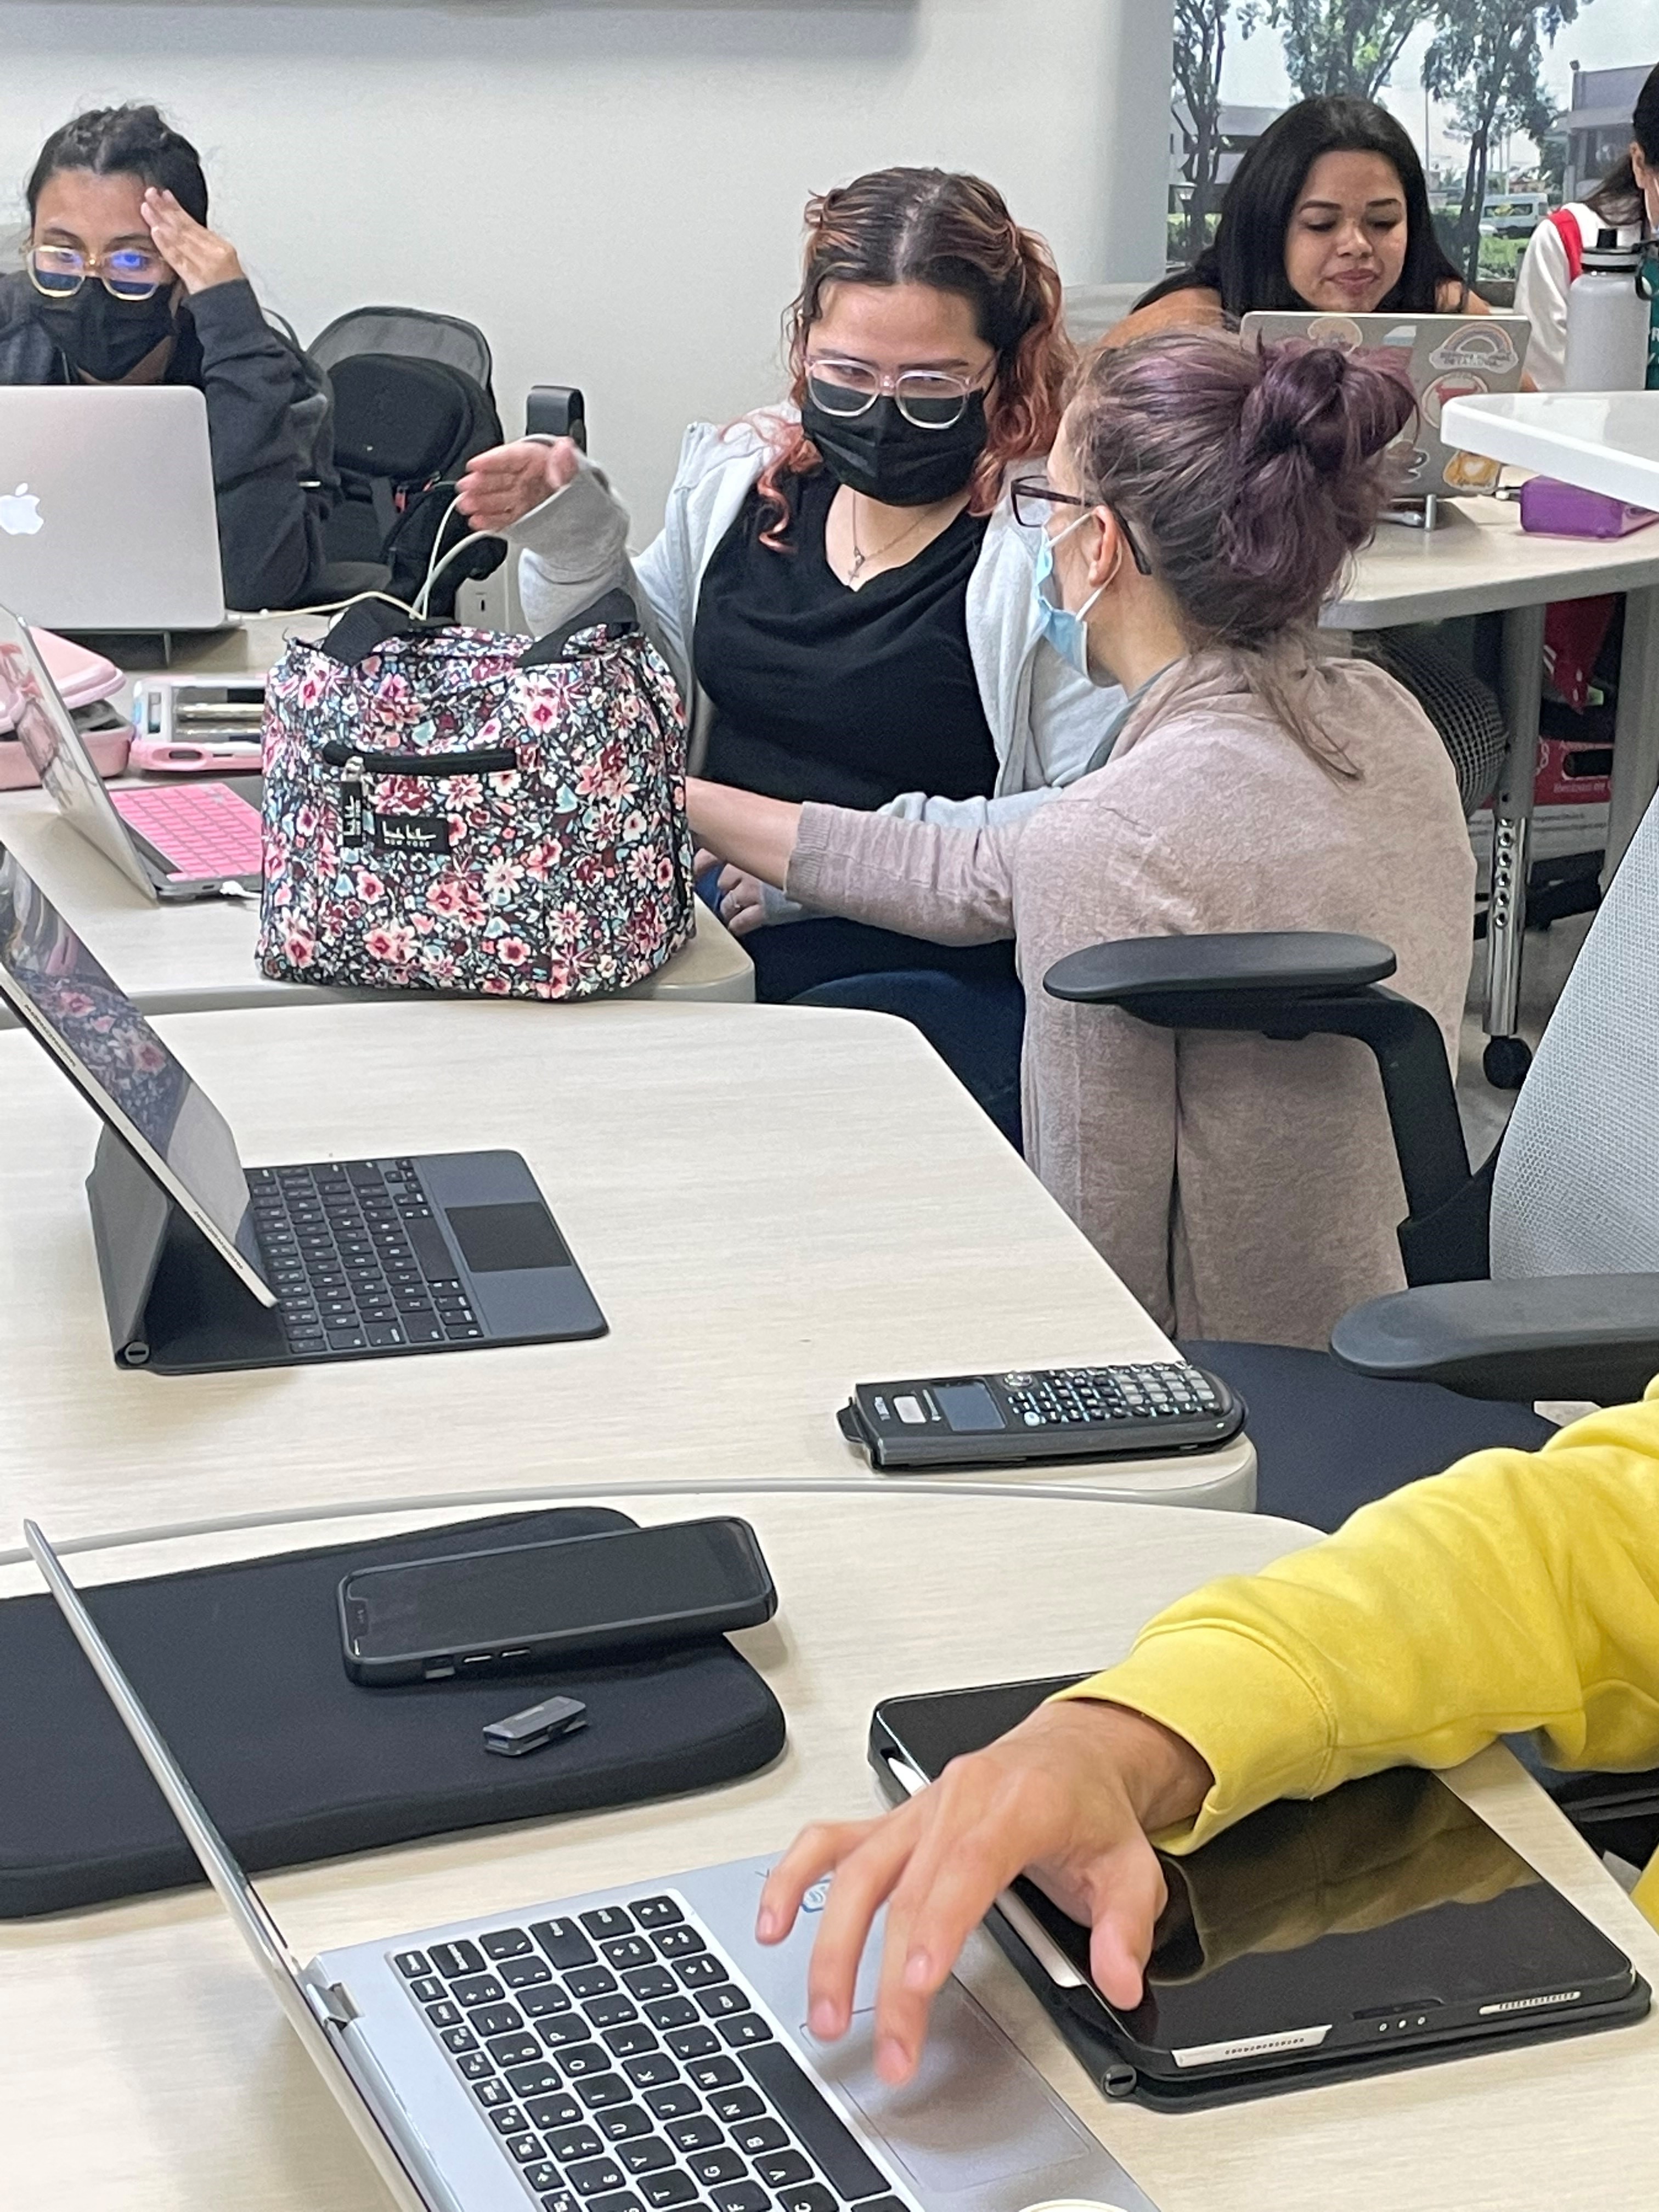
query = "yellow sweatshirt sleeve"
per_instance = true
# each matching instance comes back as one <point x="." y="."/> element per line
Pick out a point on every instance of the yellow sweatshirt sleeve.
<point x="1518" y="1591"/>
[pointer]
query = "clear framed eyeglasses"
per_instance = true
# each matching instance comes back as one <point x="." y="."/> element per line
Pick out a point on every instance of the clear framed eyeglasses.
<point x="129" y="272"/>
<point x="932" y="398"/>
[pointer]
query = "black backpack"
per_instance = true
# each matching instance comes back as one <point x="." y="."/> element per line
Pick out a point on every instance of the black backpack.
<point x="404" y="431"/>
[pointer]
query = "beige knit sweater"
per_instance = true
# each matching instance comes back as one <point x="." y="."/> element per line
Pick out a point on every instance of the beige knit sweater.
<point x="1241" y="1188"/>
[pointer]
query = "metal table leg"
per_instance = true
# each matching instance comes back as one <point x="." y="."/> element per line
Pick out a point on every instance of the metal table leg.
<point x="1636" y="730"/>
<point x="1507" y="1055"/>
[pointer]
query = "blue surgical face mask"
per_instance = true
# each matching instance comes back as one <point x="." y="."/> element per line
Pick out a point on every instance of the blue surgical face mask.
<point x="1067" y="632"/>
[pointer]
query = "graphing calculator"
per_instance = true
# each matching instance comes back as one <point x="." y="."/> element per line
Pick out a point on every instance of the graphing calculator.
<point x="1139" y="1411"/>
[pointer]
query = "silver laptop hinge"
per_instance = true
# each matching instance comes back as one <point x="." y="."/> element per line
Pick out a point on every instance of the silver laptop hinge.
<point x="331" y="2002"/>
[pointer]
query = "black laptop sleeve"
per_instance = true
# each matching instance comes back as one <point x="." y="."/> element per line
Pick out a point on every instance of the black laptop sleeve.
<point x="241" y="1667"/>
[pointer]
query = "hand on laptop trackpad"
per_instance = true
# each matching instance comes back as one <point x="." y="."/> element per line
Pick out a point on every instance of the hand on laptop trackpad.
<point x="974" y="2112"/>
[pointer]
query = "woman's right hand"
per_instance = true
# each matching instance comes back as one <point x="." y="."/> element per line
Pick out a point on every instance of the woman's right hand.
<point x="500" y="487"/>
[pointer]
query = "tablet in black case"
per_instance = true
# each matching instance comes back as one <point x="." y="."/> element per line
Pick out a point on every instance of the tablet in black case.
<point x="1382" y="1925"/>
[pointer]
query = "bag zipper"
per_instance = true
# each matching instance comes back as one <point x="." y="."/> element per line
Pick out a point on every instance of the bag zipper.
<point x="498" y="760"/>
<point x="353" y="765"/>
<point x="687" y="886"/>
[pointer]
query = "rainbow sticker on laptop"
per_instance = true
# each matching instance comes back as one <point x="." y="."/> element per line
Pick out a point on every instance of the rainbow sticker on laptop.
<point x="1485" y="347"/>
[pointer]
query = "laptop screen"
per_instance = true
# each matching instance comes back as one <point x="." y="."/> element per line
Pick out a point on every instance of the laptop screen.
<point x="45" y="730"/>
<point x="127" y="1074"/>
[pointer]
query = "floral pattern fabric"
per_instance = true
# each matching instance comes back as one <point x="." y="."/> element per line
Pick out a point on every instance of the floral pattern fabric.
<point x="535" y="845"/>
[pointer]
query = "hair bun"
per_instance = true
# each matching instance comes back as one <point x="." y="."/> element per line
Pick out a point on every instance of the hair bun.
<point x="1330" y="407"/>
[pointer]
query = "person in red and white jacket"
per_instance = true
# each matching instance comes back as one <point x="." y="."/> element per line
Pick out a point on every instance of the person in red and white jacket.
<point x="1625" y="201"/>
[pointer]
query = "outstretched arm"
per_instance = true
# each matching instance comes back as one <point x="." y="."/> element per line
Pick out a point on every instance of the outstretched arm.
<point x="1518" y="1591"/>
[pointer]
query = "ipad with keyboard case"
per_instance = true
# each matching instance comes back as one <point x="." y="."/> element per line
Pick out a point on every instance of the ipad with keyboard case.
<point x="208" y="1265"/>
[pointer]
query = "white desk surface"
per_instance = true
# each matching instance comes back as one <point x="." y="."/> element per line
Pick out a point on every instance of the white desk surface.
<point x="177" y="958"/>
<point x="770" y="1204"/>
<point x="147" y="2068"/>
<point x="1607" y="441"/>
<point x="1479" y="560"/>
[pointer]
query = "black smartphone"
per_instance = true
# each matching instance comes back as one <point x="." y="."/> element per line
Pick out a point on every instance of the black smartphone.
<point x="488" y="1613"/>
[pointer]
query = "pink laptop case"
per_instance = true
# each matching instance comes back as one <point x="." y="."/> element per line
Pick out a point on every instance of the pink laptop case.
<point x="81" y="678"/>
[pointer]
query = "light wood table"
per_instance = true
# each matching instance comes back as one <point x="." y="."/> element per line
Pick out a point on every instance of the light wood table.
<point x="147" y="2068"/>
<point x="769" y="1203"/>
<point x="1479" y="560"/>
<point x="177" y="958"/>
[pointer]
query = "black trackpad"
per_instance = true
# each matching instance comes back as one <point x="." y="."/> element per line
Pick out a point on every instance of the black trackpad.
<point x="494" y="1239"/>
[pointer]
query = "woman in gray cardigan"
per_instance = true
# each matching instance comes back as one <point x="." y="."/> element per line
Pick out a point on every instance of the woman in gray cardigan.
<point x="839" y="586"/>
<point x="1201" y="500"/>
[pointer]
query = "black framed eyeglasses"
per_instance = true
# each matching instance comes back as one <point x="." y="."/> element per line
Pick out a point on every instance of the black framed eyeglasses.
<point x="1033" y="497"/>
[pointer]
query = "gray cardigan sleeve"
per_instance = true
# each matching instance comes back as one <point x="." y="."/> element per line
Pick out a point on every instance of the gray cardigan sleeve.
<point x="572" y="548"/>
<point x="953" y="886"/>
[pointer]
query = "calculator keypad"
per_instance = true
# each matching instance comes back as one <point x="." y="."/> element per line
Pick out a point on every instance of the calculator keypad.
<point x="1083" y="1397"/>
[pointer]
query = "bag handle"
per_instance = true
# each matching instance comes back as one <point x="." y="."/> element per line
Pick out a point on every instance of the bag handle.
<point x="368" y="624"/>
<point x="616" y="611"/>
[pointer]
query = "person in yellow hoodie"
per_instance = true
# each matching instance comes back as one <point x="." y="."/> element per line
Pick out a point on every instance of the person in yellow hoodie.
<point x="1518" y="1591"/>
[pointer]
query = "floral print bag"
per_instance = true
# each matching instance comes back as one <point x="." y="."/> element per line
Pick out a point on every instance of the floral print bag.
<point x="452" y="810"/>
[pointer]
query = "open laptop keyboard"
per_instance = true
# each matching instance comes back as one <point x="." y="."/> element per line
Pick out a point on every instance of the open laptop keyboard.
<point x="355" y="1259"/>
<point x="200" y="830"/>
<point x="625" y="2067"/>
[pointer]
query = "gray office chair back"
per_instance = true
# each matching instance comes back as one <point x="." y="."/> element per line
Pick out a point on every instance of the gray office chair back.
<point x="409" y="331"/>
<point x="1577" y="1187"/>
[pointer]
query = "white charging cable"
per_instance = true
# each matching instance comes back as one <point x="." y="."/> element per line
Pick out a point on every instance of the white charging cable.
<point x="435" y="568"/>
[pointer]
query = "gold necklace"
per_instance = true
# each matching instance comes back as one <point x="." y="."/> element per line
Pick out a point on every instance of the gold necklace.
<point x="861" y="558"/>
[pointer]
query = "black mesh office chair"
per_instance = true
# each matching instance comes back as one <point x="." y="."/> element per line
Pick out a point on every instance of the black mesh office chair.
<point x="1535" y="1276"/>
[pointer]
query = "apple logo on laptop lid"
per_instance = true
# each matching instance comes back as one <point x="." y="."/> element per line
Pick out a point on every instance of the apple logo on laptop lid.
<point x="20" y="513"/>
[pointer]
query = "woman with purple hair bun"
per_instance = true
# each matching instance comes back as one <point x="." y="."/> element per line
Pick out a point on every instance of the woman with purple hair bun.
<point x="1198" y="504"/>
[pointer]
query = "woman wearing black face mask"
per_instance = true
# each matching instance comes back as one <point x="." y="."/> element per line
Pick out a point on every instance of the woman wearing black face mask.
<point x="125" y="284"/>
<point x="844" y="583"/>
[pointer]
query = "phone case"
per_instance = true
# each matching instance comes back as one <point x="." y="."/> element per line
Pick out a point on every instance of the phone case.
<point x="485" y="1659"/>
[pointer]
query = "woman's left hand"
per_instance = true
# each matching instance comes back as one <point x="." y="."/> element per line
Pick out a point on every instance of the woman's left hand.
<point x="199" y="256"/>
<point x="743" y="902"/>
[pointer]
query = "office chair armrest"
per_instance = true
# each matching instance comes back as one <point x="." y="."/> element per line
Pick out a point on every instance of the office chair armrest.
<point x="1549" y="1336"/>
<point x="1263" y="966"/>
<point x="555" y="410"/>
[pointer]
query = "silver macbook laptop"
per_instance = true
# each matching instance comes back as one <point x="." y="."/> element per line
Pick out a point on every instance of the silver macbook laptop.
<point x="633" y="2049"/>
<point x="107" y="519"/>
<point x="1446" y="357"/>
<point x="194" y="841"/>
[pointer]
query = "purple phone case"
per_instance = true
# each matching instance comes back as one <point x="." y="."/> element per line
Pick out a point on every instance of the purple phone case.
<point x="1563" y="510"/>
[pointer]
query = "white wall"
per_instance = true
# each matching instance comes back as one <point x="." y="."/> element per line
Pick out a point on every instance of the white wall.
<point x="612" y="192"/>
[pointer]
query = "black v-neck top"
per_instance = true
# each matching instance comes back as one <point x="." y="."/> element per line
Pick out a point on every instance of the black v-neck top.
<point x="823" y="693"/>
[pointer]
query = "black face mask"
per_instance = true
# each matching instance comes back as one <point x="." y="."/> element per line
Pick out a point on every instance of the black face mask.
<point x="887" y="458"/>
<point x="105" y="337"/>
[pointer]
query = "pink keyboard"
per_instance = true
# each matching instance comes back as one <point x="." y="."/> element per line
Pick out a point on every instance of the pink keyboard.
<point x="201" y="830"/>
